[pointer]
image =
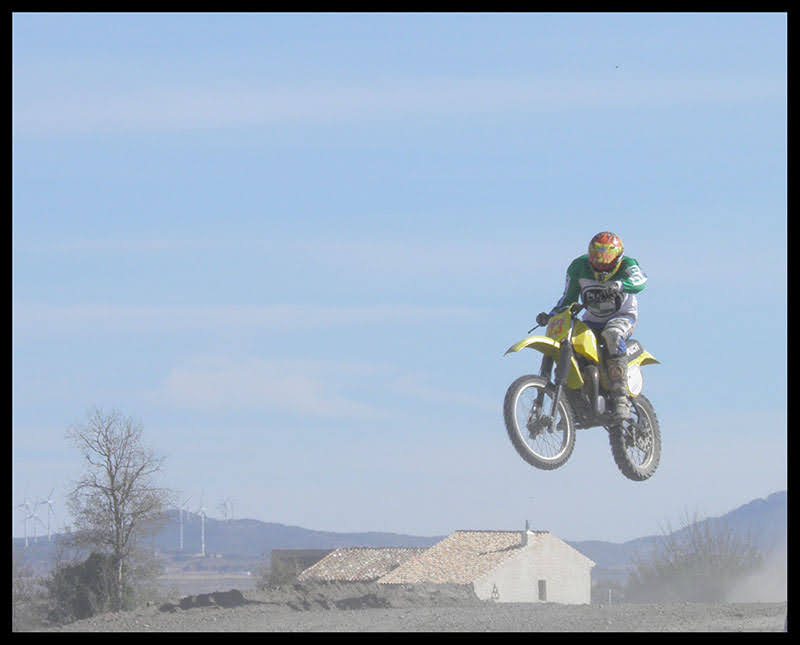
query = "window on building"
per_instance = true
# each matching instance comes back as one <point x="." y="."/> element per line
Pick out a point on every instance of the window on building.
<point x="542" y="589"/>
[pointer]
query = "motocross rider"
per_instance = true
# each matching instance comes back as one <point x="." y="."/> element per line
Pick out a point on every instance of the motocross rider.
<point x="606" y="280"/>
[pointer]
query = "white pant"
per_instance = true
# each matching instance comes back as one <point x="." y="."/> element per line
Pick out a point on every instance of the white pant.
<point x="616" y="332"/>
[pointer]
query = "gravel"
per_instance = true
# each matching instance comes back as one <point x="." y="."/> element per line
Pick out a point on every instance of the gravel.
<point x="364" y="607"/>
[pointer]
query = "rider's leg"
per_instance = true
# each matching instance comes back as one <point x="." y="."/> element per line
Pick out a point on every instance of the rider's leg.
<point x="615" y="333"/>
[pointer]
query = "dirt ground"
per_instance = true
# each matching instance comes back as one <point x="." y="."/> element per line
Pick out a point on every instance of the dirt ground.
<point x="424" y="608"/>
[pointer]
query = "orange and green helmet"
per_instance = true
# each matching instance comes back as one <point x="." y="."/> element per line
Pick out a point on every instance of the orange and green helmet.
<point x="605" y="254"/>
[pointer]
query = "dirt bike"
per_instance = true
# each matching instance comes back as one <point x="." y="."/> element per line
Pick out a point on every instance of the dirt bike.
<point x="543" y="433"/>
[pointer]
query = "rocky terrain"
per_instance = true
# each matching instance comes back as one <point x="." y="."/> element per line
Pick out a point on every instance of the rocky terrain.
<point x="356" y="607"/>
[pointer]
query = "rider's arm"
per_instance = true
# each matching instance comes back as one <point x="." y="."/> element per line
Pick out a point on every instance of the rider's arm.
<point x="633" y="279"/>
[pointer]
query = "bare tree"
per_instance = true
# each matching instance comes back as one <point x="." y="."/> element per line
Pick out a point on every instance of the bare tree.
<point x="116" y="501"/>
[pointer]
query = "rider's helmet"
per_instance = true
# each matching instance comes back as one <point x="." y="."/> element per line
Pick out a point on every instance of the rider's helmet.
<point x="605" y="255"/>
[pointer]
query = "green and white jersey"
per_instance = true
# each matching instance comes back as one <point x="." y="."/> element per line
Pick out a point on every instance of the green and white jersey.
<point x="581" y="283"/>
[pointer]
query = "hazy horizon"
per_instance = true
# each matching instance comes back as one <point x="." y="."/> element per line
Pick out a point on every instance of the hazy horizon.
<point x="496" y="528"/>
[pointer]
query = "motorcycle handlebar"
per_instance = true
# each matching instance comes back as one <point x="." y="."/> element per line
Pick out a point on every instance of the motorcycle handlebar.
<point x="575" y="308"/>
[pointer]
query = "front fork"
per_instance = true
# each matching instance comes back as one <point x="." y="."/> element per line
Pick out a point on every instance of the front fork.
<point x="562" y="369"/>
<point x="544" y="371"/>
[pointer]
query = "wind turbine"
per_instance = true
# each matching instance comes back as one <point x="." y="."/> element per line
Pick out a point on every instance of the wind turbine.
<point x="49" y="502"/>
<point x="181" y="510"/>
<point x="26" y="506"/>
<point x="202" y="512"/>
<point x="32" y="515"/>
<point x="226" y="506"/>
<point x="36" y="519"/>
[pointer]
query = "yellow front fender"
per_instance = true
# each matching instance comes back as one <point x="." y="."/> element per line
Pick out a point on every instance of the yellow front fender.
<point x="550" y="347"/>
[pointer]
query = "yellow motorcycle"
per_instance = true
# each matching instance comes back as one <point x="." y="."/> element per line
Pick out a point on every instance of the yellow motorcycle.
<point x="543" y="431"/>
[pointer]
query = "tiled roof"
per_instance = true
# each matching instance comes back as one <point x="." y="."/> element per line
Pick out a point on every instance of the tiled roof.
<point x="359" y="563"/>
<point x="461" y="557"/>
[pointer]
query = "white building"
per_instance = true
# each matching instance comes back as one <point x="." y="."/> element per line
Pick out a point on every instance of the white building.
<point x="505" y="566"/>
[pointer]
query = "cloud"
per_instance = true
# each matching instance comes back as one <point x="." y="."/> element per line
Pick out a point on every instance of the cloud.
<point x="420" y="255"/>
<point x="302" y="387"/>
<point x="433" y="257"/>
<point x="417" y="386"/>
<point x="86" y="109"/>
<point x="45" y="319"/>
<point x="309" y="388"/>
<point x="111" y="245"/>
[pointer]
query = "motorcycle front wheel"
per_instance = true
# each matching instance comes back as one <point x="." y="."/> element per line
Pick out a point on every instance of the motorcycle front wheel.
<point x="542" y="443"/>
<point x="636" y="443"/>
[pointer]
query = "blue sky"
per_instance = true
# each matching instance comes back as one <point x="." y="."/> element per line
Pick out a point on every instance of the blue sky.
<point x="296" y="246"/>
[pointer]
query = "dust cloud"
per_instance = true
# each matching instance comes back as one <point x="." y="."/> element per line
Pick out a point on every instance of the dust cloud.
<point x="767" y="584"/>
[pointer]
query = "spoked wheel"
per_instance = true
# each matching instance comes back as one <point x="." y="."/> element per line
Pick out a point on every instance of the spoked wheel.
<point x="636" y="443"/>
<point x="540" y="440"/>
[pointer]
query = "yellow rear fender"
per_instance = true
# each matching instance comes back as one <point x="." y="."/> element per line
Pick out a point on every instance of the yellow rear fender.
<point x="645" y="358"/>
<point x="550" y="347"/>
<point x="638" y="355"/>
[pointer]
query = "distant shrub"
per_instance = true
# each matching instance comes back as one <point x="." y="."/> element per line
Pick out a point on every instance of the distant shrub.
<point x="700" y="563"/>
<point x="142" y="584"/>
<point x="28" y="597"/>
<point x="606" y="592"/>
<point x="281" y="571"/>
<point x="21" y="583"/>
<point x="82" y="590"/>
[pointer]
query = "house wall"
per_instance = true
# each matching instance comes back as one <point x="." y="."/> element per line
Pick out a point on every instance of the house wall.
<point x="566" y="572"/>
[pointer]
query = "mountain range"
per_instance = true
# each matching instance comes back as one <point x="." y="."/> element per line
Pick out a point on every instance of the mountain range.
<point x="763" y="521"/>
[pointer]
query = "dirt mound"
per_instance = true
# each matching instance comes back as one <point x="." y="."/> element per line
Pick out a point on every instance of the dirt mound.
<point x="370" y="601"/>
<point x="307" y="596"/>
<point x="232" y="598"/>
<point x="303" y="596"/>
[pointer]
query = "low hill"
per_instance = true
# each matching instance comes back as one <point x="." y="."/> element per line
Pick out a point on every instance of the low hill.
<point x="253" y="538"/>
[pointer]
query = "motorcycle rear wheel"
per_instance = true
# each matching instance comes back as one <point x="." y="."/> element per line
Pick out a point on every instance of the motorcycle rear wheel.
<point x="542" y="447"/>
<point x="636" y="444"/>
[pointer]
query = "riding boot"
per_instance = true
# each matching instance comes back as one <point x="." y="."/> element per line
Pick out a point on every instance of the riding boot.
<point x="617" y="370"/>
